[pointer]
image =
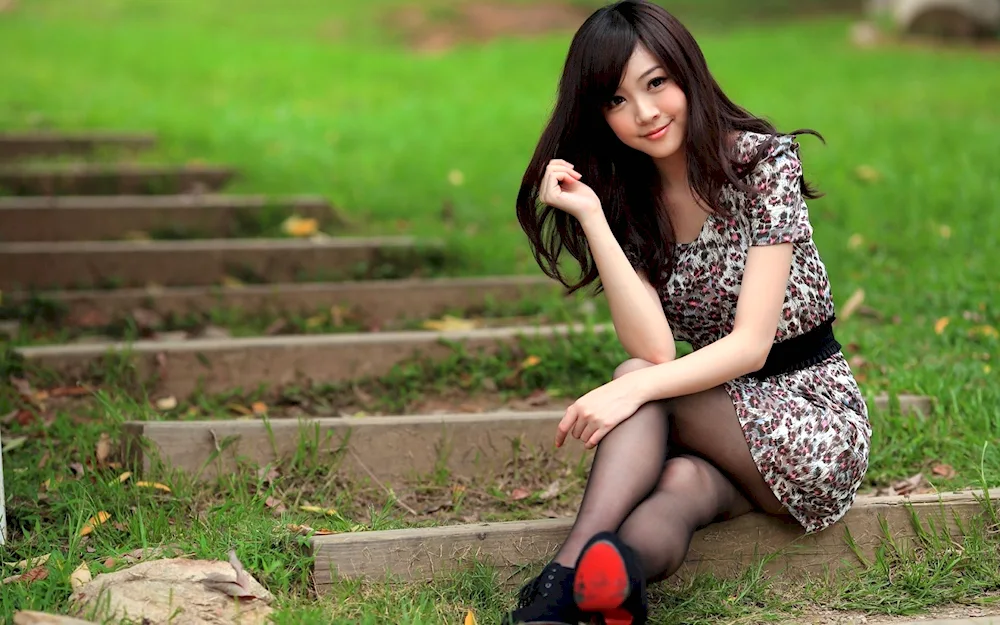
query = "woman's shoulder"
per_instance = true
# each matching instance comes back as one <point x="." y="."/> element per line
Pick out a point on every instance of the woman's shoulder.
<point x="747" y="144"/>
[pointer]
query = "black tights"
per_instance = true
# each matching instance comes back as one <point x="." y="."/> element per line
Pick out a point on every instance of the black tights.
<point x="656" y="504"/>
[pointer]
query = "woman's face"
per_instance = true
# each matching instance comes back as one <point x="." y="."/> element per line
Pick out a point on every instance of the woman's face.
<point x="648" y="111"/>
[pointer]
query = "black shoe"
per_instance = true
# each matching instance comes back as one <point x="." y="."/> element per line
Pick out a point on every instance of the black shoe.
<point x="610" y="582"/>
<point x="547" y="600"/>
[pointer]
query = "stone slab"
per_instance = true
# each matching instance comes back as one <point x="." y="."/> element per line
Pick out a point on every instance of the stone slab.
<point x="89" y="264"/>
<point x="98" y="218"/>
<point x="112" y="179"/>
<point x="723" y="549"/>
<point x="179" y="368"/>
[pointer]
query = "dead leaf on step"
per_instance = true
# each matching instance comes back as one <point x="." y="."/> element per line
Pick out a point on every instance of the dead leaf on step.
<point x="909" y="485"/>
<point x="80" y="576"/>
<point x="449" y="323"/>
<point x="240" y="588"/>
<point x="551" y="492"/>
<point x="867" y="173"/>
<point x="13" y="443"/>
<point x="156" y="485"/>
<point x="166" y="403"/>
<point x="520" y="493"/>
<point x="305" y="530"/>
<point x="30" y="563"/>
<point x="35" y="574"/>
<point x="276" y="327"/>
<point x="299" y="227"/>
<point x="103" y="449"/>
<point x="100" y="518"/>
<point x="852" y="304"/>
<point x="943" y="470"/>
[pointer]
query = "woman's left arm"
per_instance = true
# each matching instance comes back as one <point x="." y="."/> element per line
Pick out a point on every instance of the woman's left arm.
<point x="742" y="351"/>
<point x="778" y="220"/>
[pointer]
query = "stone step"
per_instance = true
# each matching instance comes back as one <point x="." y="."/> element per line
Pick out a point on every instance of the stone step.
<point x="392" y="447"/>
<point x="96" y="218"/>
<point x="378" y="301"/>
<point x="38" y="144"/>
<point x="518" y="548"/>
<point x="215" y="366"/>
<point x="88" y="264"/>
<point x="112" y="179"/>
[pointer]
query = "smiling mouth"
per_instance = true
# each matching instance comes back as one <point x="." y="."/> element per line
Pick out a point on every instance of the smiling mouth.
<point x="659" y="132"/>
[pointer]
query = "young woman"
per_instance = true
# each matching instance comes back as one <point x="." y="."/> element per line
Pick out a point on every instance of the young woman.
<point x="691" y="213"/>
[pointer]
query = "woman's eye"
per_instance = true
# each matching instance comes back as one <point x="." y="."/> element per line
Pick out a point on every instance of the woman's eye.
<point x="656" y="82"/>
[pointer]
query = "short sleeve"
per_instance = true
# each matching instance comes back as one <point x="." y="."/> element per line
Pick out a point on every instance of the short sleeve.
<point x="777" y="210"/>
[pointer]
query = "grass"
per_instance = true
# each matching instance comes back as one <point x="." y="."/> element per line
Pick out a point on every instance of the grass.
<point x="314" y="98"/>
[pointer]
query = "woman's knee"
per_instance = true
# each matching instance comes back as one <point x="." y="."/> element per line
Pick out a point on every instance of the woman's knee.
<point x="630" y="365"/>
<point x="684" y="473"/>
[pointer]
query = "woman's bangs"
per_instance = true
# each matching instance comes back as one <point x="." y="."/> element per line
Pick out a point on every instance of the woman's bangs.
<point x="604" y="62"/>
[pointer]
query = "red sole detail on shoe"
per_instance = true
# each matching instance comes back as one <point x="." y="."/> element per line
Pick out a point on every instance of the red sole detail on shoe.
<point x="601" y="583"/>
<point x="617" y="617"/>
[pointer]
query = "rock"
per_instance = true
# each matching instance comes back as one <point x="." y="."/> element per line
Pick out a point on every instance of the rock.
<point x="176" y="590"/>
<point x="946" y="19"/>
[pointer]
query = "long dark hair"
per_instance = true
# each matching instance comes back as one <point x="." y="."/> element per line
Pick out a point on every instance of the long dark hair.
<point x="626" y="180"/>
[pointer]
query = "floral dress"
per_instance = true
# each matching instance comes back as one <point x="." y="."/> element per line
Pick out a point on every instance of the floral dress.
<point x="807" y="430"/>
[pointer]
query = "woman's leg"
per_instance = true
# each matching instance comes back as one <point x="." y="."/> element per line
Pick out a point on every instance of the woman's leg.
<point x="627" y="466"/>
<point x="715" y="479"/>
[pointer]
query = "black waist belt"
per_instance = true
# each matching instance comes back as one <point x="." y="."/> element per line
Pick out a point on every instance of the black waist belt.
<point x="800" y="352"/>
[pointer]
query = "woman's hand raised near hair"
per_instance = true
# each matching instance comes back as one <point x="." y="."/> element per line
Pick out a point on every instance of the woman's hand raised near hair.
<point x="562" y="189"/>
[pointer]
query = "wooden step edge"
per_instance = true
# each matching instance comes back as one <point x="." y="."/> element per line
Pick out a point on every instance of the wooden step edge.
<point x="210" y="245"/>
<point x="377" y="301"/>
<point x="519" y="548"/>
<point x="392" y="447"/>
<point x="15" y="145"/>
<point x="141" y="202"/>
<point x="88" y="169"/>
<point x="318" y="341"/>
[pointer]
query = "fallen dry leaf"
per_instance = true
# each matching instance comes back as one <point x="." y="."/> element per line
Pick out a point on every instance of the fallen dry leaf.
<point x="124" y="477"/>
<point x="80" y="576"/>
<point x="35" y="574"/>
<point x="13" y="443"/>
<point x="853" y="303"/>
<point x="944" y="470"/>
<point x="449" y="323"/>
<point x="103" y="449"/>
<point x="520" y="493"/>
<point x="985" y="331"/>
<point x="259" y="408"/>
<point x="305" y="530"/>
<point x="33" y="562"/>
<point x="275" y="504"/>
<point x="530" y="361"/>
<point x="470" y="618"/>
<point x="155" y="485"/>
<point x="100" y="518"/>
<point x="941" y="324"/>
<point x="867" y="173"/>
<point x="166" y="403"/>
<point x="318" y="510"/>
<point x="300" y="227"/>
<point x="909" y="485"/>
<point x="551" y="492"/>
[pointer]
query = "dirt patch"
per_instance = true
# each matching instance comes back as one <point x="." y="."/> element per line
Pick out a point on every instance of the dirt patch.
<point x="430" y="30"/>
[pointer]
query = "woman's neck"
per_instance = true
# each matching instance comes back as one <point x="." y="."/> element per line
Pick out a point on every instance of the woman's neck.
<point x="673" y="172"/>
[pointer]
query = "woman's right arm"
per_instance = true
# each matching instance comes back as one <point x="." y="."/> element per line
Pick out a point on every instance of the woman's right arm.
<point x="636" y="310"/>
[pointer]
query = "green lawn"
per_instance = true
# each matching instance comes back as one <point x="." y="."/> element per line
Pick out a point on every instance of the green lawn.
<point x="311" y="97"/>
